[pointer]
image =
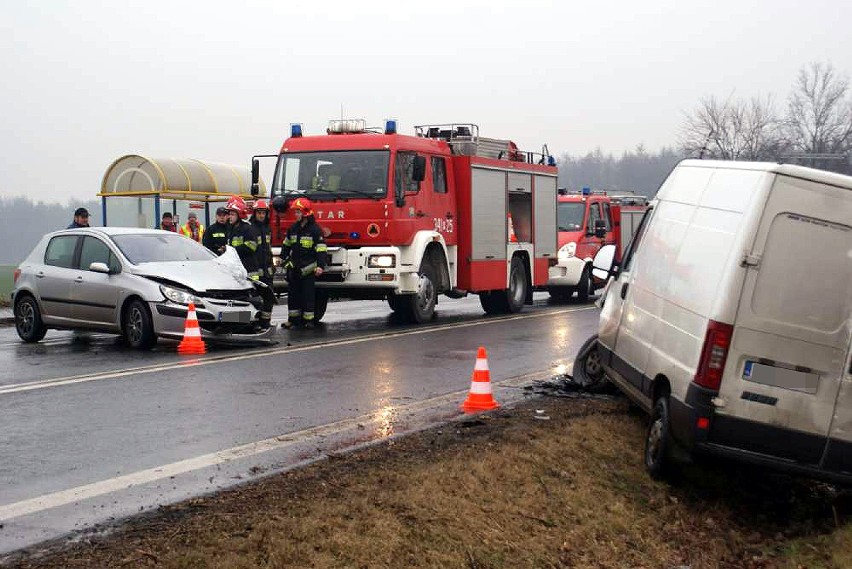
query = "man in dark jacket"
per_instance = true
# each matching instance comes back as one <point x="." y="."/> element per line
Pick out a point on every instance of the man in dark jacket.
<point x="305" y="254"/>
<point x="81" y="218"/>
<point x="260" y="222"/>
<point x="216" y="236"/>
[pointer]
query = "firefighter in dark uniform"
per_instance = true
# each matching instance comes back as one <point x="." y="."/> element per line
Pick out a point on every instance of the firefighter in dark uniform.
<point x="260" y="221"/>
<point x="243" y="237"/>
<point x="305" y="256"/>
<point x="216" y="236"/>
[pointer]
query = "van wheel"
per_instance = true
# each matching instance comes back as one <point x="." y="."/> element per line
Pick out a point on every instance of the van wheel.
<point x="420" y="306"/>
<point x="393" y="302"/>
<point x="28" y="321"/>
<point x="588" y="367"/>
<point x="138" y="326"/>
<point x="658" y="441"/>
<point x="585" y="287"/>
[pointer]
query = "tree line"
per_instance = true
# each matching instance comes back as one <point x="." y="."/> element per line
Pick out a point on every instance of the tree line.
<point x="26" y="221"/>
<point x="813" y="127"/>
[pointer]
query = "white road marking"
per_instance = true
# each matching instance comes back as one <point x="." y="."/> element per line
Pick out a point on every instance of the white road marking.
<point x="117" y="374"/>
<point x="100" y="488"/>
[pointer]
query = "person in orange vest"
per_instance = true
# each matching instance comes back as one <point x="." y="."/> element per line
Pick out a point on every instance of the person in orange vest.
<point x="192" y="228"/>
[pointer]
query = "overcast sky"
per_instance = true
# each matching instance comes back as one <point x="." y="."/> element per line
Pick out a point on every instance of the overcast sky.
<point x="85" y="82"/>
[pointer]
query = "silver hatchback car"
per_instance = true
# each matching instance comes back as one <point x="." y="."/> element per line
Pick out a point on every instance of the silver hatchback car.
<point x="135" y="282"/>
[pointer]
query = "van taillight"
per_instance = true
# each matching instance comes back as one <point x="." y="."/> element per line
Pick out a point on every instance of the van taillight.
<point x="15" y="275"/>
<point x="713" y="355"/>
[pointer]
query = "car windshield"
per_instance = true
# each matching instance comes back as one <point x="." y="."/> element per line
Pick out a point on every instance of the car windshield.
<point x="160" y="248"/>
<point x="332" y="175"/>
<point x="570" y="215"/>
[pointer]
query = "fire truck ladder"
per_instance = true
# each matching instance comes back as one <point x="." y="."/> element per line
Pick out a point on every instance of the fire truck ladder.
<point x="464" y="140"/>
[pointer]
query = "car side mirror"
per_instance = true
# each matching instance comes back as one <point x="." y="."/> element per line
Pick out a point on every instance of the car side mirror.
<point x="255" y="176"/>
<point x="604" y="262"/>
<point x="99" y="268"/>
<point x="600" y="228"/>
<point x="419" y="171"/>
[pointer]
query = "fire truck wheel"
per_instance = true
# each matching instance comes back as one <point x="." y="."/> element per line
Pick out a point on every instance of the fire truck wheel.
<point x="320" y="304"/>
<point x="516" y="295"/>
<point x="561" y="294"/>
<point x="585" y="288"/>
<point x="420" y="306"/>
<point x="488" y="302"/>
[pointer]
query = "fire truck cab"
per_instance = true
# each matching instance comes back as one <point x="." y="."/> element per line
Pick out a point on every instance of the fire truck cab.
<point x="587" y="221"/>
<point x="407" y="218"/>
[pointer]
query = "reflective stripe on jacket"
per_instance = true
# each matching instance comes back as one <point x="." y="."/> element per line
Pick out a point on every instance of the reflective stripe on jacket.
<point x="243" y="237"/>
<point x="304" y="247"/>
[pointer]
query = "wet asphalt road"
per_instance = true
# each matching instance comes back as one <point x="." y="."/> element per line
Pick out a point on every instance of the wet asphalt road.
<point x="92" y="431"/>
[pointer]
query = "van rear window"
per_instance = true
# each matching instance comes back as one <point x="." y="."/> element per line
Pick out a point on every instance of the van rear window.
<point x="805" y="273"/>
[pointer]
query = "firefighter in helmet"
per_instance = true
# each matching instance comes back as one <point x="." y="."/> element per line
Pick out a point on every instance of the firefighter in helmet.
<point x="243" y="237"/>
<point x="304" y="253"/>
<point x="260" y="221"/>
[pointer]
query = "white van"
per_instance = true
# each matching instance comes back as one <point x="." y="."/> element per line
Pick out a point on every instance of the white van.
<point x="730" y="316"/>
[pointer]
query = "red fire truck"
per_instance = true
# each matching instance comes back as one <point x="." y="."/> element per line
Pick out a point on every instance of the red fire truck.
<point x="587" y="221"/>
<point x="408" y="218"/>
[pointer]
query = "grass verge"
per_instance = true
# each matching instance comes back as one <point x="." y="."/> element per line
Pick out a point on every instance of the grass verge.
<point x="508" y="489"/>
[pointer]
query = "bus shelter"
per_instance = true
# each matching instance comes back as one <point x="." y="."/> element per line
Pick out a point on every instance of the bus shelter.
<point x="136" y="190"/>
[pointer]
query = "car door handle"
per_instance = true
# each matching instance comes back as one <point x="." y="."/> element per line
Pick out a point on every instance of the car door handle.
<point x="624" y="288"/>
<point x="78" y="280"/>
<point x="40" y="275"/>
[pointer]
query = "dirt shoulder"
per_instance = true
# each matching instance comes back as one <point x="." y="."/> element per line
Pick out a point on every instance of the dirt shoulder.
<point x="515" y="488"/>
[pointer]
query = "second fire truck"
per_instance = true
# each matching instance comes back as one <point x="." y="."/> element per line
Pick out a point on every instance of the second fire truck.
<point x="408" y="218"/>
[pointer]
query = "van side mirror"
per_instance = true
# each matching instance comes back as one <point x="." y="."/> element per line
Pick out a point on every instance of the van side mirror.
<point x="604" y="262"/>
<point x="419" y="171"/>
<point x="255" y="176"/>
<point x="600" y="228"/>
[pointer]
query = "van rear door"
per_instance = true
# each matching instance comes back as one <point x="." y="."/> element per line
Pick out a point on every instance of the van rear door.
<point x="792" y="326"/>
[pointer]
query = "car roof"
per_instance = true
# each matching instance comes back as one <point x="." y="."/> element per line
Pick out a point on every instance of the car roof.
<point x="111" y="231"/>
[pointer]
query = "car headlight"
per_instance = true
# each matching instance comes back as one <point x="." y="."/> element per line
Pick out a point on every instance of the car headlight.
<point x="180" y="296"/>
<point x="567" y="251"/>
<point x="381" y="261"/>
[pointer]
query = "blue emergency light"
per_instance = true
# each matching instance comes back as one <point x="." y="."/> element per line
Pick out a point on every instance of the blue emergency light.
<point x="586" y="190"/>
<point x="295" y="130"/>
<point x="390" y="126"/>
<point x="354" y="235"/>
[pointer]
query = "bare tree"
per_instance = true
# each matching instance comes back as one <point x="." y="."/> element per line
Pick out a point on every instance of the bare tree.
<point x="819" y="116"/>
<point x="732" y="130"/>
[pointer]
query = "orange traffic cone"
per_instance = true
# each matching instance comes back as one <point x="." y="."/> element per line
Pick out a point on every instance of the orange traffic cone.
<point x="192" y="342"/>
<point x="480" y="398"/>
<point x="512" y="237"/>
